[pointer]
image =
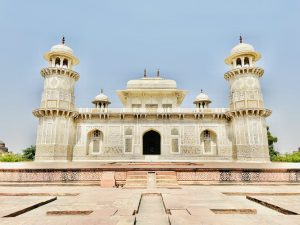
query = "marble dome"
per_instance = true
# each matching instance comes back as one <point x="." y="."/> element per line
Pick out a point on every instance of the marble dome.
<point x="242" y="49"/>
<point x="101" y="98"/>
<point x="62" y="50"/>
<point x="202" y="97"/>
<point x="151" y="83"/>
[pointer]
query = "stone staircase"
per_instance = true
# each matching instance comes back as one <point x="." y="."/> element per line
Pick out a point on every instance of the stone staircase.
<point x="166" y="179"/>
<point x="136" y="179"/>
<point x="145" y="179"/>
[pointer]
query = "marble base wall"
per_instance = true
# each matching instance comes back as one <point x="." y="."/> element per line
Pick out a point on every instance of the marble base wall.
<point x="53" y="153"/>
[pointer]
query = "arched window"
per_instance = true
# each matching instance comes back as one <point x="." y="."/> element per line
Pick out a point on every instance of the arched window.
<point x="128" y="140"/>
<point x="57" y="62"/>
<point x="208" y="142"/>
<point x="174" y="140"/>
<point x="65" y="63"/>
<point x="246" y="61"/>
<point x="95" y="142"/>
<point x="238" y="62"/>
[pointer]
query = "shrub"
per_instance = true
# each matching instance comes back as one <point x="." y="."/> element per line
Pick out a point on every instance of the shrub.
<point x="293" y="157"/>
<point x="10" y="157"/>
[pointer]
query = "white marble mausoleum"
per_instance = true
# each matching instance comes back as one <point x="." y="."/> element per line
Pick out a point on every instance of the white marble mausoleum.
<point x="151" y="125"/>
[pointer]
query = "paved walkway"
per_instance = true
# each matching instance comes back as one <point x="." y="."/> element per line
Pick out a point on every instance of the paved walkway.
<point x="201" y="205"/>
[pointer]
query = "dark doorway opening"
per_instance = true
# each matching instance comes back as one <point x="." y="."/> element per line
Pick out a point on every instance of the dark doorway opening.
<point x="151" y="143"/>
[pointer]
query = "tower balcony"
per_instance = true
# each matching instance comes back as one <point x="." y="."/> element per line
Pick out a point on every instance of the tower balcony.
<point x="244" y="70"/>
<point x="44" y="112"/>
<point x="249" y="112"/>
<point x="48" y="71"/>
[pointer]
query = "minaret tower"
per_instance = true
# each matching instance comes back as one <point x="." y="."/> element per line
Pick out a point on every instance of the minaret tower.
<point x="247" y="111"/>
<point x="56" y="114"/>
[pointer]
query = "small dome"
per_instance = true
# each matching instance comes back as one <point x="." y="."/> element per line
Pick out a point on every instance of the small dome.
<point x="101" y="98"/>
<point x="242" y="49"/>
<point x="202" y="98"/>
<point x="151" y="83"/>
<point x="2" y="143"/>
<point x="62" y="50"/>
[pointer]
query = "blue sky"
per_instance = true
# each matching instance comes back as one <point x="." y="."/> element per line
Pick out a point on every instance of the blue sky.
<point x="115" y="40"/>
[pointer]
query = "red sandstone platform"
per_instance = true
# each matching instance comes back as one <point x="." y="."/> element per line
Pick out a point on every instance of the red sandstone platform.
<point x="186" y="172"/>
<point x="151" y="166"/>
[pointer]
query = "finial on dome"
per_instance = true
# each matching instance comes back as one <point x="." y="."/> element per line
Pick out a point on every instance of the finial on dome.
<point x="101" y="91"/>
<point x="201" y="90"/>
<point x="63" y="40"/>
<point x="241" y="39"/>
<point x="145" y="73"/>
<point x="157" y="73"/>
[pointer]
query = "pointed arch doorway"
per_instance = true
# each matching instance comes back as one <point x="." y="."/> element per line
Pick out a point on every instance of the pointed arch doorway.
<point x="151" y="143"/>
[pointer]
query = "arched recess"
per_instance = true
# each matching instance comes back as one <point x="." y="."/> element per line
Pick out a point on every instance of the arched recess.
<point x="238" y="62"/>
<point x="151" y="143"/>
<point x="95" y="142"/>
<point x="174" y="140"/>
<point x="246" y="61"/>
<point x="65" y="63"/>
<point x="128" y="139"/>
<point x="208" y="140"/>
<point x="57" y="62"/>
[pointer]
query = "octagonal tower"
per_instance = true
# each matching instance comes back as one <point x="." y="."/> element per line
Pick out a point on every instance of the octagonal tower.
<point x="247" y="111"/>
<point x="57" y="109"/>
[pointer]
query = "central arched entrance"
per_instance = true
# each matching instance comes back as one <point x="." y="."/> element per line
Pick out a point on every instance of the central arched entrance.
<point x="151" y="143"/>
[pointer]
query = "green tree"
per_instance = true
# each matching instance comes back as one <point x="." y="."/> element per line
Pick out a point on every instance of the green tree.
<point x="29" y="153"/>
<point x="271" y="140"/>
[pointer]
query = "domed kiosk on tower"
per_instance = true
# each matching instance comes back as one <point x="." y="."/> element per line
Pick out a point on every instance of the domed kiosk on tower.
<point x="61" y="55"/>
<point x="242" y="55"/>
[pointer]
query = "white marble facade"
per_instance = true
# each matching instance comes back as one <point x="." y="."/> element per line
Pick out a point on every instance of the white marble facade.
<point x="151" y="125"/>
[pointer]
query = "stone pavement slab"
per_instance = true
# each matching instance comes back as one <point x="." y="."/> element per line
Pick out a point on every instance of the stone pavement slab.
<point x="290" y="203"/>
<point x="190" y="205"/>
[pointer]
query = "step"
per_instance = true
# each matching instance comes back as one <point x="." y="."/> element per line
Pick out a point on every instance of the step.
<point x="137" y="173"/>
<point x="136" y="179"/>
<point x="166" y="181"/>
<point x="166" y="173"/>
<point x="136" y="176"/>
<point x="166" y="177"/>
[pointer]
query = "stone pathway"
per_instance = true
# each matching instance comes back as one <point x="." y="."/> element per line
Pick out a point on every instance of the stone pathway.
<point x="190" y="205"/>
<point x="152" y="211"/>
